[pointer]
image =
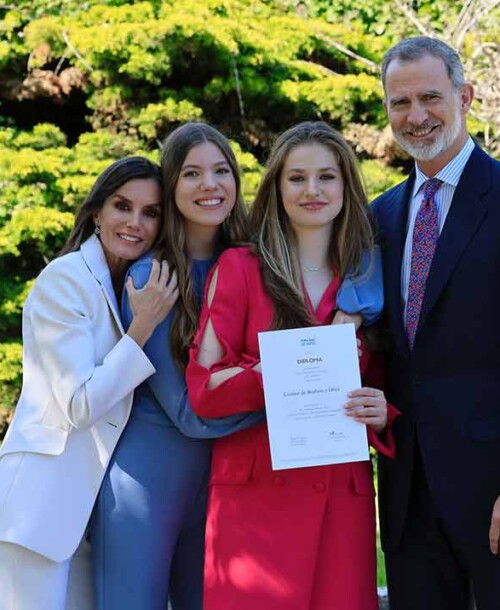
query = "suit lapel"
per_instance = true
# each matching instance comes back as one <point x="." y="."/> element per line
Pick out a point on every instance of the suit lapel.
<point x="96" y="261"/>
<point x="466" y="214"/>
<point x="395" y="241"/>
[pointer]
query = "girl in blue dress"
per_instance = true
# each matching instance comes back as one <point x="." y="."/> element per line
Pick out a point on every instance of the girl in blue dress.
<point x="147" y="532"/>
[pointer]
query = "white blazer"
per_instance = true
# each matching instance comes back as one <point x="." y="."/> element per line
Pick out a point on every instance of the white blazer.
<point x="79" y="374"/>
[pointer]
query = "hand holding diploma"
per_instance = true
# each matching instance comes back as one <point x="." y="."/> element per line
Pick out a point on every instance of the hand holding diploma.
<point x="314" y="403"/>
<point x="367" y="406"/>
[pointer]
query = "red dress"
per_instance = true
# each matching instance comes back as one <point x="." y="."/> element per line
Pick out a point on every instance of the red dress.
<point x="297" y="539"/>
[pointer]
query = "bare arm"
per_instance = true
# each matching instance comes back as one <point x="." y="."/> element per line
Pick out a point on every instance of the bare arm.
<point x="211" y="350"/>
<point x="222" y="377"/>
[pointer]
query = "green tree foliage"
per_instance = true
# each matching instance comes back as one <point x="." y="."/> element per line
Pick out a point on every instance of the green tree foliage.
<point x="85" y="82"/>
<point x="149" y="64"/>
<point x="380" y="17"/>
<point x="10" y="371"/>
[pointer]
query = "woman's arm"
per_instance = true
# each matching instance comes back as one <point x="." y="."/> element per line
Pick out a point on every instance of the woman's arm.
<point x="66" y="341"/>
<point x="168" y="384"/>
<point x="362" y="294"/>
<point x="222" y="378"/>
<point x="368" y="405"/>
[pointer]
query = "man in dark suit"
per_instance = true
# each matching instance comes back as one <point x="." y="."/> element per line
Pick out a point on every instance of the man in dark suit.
<point x="440" y="500"/>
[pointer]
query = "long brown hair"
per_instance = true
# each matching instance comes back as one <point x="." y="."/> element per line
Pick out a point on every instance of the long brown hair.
<point x="274" y="237"/>
<point x="108" y="182"/>
<point x="173" y="247"/>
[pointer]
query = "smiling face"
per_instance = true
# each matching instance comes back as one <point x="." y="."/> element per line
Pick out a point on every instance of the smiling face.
<point x="426" y="111"/>
<point x="129" y="222"/>
<point x="205" y="192"/>
<point x="311" y="186"/>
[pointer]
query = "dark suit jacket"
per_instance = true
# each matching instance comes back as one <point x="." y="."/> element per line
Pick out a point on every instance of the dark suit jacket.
<point x="448" y="388"/>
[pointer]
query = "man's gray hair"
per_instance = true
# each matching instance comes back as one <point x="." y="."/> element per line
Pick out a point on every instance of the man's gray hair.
<point x="411" y="49"/>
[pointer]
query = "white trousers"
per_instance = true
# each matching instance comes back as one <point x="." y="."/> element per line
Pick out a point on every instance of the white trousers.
<point x="29" y="581"/>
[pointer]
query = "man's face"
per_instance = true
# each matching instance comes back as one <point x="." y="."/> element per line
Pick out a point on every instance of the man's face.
<point x="426" y="112"/>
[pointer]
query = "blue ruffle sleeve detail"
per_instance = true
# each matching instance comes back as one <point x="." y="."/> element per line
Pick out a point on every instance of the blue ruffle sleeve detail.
<point x="364" y="293"/>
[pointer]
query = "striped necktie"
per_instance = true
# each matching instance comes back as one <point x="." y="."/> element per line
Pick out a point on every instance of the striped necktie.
<point x="425" y="236"/>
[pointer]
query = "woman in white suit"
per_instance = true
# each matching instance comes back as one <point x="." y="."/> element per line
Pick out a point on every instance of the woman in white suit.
<point x="80" y="369"/>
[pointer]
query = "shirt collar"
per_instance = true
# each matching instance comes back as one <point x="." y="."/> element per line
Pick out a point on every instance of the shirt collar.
<point x="450" y="174"/>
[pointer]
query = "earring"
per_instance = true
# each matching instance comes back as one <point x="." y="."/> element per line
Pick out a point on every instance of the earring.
<point x="97" y="229"/>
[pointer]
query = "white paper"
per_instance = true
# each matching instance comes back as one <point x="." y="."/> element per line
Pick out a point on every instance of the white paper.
<point x="307" y="373"/>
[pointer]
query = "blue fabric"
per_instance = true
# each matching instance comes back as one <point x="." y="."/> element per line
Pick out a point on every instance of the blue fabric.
<point x="149" y="516"/>
<point x="364" y="293"/>
<point x="166" y="389"/>
<point x="147" y="531"/>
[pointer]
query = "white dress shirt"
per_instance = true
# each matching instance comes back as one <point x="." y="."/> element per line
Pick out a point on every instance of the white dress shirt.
<point x="450" y="176"/>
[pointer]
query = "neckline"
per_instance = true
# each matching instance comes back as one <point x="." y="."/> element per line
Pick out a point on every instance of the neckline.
<point x="318" y="313"/>
<point x="204" y="262"/>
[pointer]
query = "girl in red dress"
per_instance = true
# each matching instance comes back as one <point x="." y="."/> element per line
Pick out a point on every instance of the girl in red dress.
<point x="302" y="538"/>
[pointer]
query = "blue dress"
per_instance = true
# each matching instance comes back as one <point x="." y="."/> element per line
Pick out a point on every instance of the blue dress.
<point x="148" y="527"/>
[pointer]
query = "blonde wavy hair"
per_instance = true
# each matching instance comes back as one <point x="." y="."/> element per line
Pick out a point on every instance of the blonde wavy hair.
<point x="274" y="238"/>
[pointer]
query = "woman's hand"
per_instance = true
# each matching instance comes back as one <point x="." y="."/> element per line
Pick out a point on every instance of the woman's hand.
<point x="151" y="304"/>
<point x="368" y="406"/>
<point x="341" y="317"/>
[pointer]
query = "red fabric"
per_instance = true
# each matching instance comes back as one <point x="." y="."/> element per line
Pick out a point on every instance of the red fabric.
<point x="297" y="539"/>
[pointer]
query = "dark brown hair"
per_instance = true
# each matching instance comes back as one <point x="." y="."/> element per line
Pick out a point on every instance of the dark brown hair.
<point x="108" y="182"/>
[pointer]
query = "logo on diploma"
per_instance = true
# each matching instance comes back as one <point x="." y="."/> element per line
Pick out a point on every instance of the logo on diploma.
<point x="307" y="341"/>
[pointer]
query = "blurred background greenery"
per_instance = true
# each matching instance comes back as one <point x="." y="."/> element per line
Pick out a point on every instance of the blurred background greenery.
<point x="85" y="82"/>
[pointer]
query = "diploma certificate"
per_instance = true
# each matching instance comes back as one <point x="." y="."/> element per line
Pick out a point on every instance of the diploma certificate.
<point x="307" y="373"/>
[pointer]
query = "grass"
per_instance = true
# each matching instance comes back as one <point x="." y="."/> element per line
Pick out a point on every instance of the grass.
<point x="381" y="580"/>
